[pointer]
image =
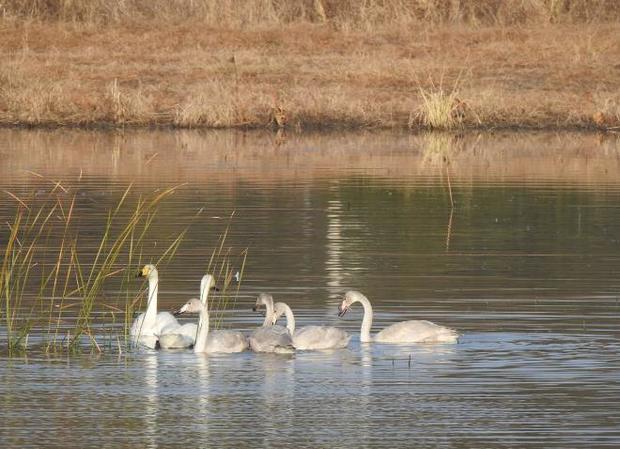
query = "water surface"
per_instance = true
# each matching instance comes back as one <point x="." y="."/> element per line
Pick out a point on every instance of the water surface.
<point x="524" y="265"/>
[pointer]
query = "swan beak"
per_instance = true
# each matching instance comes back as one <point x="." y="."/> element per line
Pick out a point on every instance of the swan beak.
<point x="257" y="308"/>
<point x="139" y="274"/>
<point x="342" y="310"/>
<point x="180" y="310"/>
<point x="215" y="289"/>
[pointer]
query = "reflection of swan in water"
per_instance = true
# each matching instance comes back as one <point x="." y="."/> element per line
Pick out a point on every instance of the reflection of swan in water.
<point x="151" y="405"/>
<point x="221" y="340"/>
<point x="269" y="338"/>
<point x="276" y="393"/>
<point x="203" y="396"/>
<point x="149" y="325"/>
<point x="414" y="331"/>
<point x="311" y="337"/>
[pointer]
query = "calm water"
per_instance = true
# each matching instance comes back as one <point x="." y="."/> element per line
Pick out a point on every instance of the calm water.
<point x="525" y="266"/>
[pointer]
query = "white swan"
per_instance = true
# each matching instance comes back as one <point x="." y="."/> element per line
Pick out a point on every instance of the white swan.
<point x="184" y="336"/>
<point x="269" y="338"/>
<point x="311" y="337"/>
<point x="415" y="331"/>
<point x="149" y="325"/>
<point x="221" y="340"/>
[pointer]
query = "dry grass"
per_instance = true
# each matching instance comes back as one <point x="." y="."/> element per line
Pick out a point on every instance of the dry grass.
<point x="517" y="63"/>
<point x="342" y="13"/>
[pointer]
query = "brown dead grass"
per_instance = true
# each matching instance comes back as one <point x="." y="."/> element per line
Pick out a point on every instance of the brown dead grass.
<point x="302" y="71"/>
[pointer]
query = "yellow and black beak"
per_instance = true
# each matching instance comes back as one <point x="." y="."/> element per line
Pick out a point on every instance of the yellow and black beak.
<point x="143" y="272"/>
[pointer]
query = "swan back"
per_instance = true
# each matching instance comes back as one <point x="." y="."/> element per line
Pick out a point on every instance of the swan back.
<point x="177" y="340"/>
<point x="224" y="340"/>
<point x="271" y="339"/>
<point x="320" y="337"/>
<point x="310" y="337"/>
<point x="417" y="331"/>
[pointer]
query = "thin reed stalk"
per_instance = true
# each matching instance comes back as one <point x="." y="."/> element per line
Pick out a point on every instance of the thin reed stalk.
<point x="44" y="230"/>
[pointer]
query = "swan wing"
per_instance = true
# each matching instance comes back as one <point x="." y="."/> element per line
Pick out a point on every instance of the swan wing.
<point x="175" y="341"/>
<point x="137" y="327"/>
<point x="417" y="331"/>
<point x="165" y="324"/>
<point x="178" y="338"/>
<point x="270" y="339"/>
<point x="226" y="341"/>
<point x="320" y="337"/>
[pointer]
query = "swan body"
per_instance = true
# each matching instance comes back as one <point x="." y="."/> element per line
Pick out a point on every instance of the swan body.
<point x="181" y="337"/>
<point x="270" y="338"/>
<point x="164" y="322"/>
<point x="220" y="340"/>
<point x="311" y="337"/>
<point x="224" y="340"/>
<point x="414" y="331"/>
<point x="148" y="326"/>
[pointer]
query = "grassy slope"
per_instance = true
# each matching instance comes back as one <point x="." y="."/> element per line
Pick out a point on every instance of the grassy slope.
<point x="307" y="75"/>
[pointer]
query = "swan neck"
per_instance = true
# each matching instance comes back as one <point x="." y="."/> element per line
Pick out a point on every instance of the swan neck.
<point x="150" y="317"/>
<point x="366" y="321"/>
<point x="203" y="330"/>
<point x="204" y="293"/>
<point x="268" y="313"/>
<point x="290" y="319"/>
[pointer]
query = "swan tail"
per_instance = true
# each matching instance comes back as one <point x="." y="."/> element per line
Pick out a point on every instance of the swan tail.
<point x="448" y="336"/>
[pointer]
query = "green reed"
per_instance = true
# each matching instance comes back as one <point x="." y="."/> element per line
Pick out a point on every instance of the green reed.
<point x="45" y="230"/>
<point x="222" y="266"/>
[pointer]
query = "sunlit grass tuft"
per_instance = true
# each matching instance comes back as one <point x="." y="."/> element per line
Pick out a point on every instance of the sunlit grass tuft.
<point x="441" y="108"/>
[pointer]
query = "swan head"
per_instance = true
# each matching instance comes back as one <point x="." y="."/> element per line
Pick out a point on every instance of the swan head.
<point x="263" y="299"/>
<point x="208" y="283"/>
<point x="192" y="306"/>
<point x="147" y="271"/>
<point x="349" y="298"/>
<point x="279" y="309"/>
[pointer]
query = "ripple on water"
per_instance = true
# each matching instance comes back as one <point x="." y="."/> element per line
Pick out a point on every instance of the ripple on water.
<point x="524" y="266"/>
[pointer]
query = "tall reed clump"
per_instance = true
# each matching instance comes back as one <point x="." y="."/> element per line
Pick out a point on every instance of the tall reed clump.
<point x="48" y="269"/>
<point x="440" y="108"/>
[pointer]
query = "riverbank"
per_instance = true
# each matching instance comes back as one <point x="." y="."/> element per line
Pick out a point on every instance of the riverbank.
<point x="309" y="75"/>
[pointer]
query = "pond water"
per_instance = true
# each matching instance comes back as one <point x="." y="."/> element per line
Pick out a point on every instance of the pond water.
<point x="513" y="239"/>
